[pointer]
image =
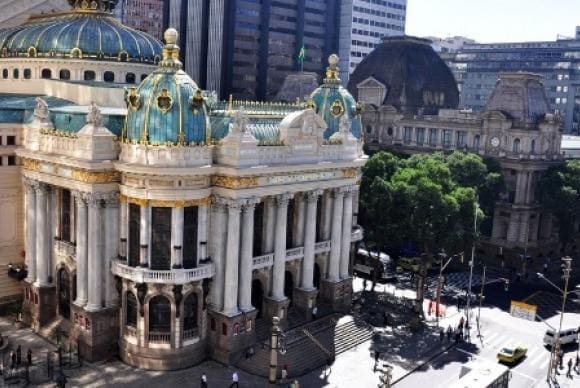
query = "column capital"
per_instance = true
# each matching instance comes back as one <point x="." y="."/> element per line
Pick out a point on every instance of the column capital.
<point x="282" y="200"/>
<point x="30" y="184"/>
<point x="41" y="187"/>
<point x="312" y="196"/>
<point x="250" y="203"/>
<point x="94" y="199"/>
<point x="337" y="192"/>
<point x="80" y="197"/>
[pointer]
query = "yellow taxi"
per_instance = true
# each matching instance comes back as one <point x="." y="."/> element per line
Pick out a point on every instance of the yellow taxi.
<point x="511" y="354"/>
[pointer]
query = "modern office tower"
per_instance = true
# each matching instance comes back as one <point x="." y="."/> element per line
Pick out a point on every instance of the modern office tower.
<point x="246" y="47"/>
<point x="142" y="15"/>
<point x="477" y="67"/>
<point x="451" y="44"/>
<point x="15" y="12"/>
<point x="362" y="25"/>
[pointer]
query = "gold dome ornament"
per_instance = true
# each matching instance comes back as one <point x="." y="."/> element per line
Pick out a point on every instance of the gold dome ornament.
<point x="337" y="108"/>
<point x="332" y="72"/>
<point x="164" y="101"/>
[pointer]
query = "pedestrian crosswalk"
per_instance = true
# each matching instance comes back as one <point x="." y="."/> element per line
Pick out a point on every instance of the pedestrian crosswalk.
<point x="537" y="355"/>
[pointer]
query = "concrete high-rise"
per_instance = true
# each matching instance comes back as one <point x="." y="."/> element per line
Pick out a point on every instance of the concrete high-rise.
<point x="15" y="12"/>
<point x="246" y="48"/>
<point x="142" y="15"/>
<point x="362" y="25"/>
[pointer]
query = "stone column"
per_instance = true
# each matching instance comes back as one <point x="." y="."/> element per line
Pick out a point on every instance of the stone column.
<point x="496" y="231"/>
<point x="30" y="229"/>
<point x="218" y="237"/>
<point x="95" y="253"/>
<point x="346" y="234"/>
<point x="309" y="241"/>
<point x="42" y="235"/>
<point x="270" y="220"/>
<point x="245" y="284"/>
<point x="177" y="237"/>
<point x="56" y="209"/>
<point x="123" y="228"/>
<point x="82" y="252"/>
<point x="336" y="232"/>
<point x="145" y="234"/>
<point x="202" y="214"/>
<point x="232" y="260"/>
<point x="521" y="187"/>
<point x="280" y="248"/>
<point x="327" y="215"/>
<point x="111" y="229"/>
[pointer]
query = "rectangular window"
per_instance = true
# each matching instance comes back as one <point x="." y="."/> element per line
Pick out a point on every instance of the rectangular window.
<point x="10" y="140"/>
<point x="65" y="218"/>
<point x="190" y="214"/>
<point x="258" y="226"/>
<point x="0" y="140"/>
<point x="461" y="135"/>
<point x="134" y="234"/>
<point x="12" y="160"/>
<point x="433" y="133"/>
<point x="407" y="134"/>
<point x="290" y="224"/>
<point x="420" y="136"/>
<point x="161" y="238"/>
<point x="446" y="138"/>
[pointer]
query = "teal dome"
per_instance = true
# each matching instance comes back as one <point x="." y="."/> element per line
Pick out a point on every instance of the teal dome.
<point x="167" y="108"/>
<point x="332" y="101"/>
<point x="81" y="33"/>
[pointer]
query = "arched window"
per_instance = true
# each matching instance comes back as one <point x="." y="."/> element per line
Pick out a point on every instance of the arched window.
<point x="64" y="293"/>
<point x="123" y="56"/>
<point x="369" y="129"/>
<point x="476" y="142"/>
<point x="533" y="146"/>
<point x="5" y="73"/>
<point x="27" y="74"/>
<point x="190" y="316"/>
<point x="130" y="78"/>
<point x="516" y="146"/>
<point x="159" y="319"/>
<point x="64" y="74"/>
<point x="89" y="75"/>
<point x="131" y="310"/>
<point x="15" y="73"/>
<point x="46" y="74"/>
<point x="143" y="76"/>
<point x="109" y="76"/>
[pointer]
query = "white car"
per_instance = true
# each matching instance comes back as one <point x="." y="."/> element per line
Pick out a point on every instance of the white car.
<point x="567" y="336"/>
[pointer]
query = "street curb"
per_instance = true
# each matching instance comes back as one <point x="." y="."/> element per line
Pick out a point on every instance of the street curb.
<point x="424" y="363"/>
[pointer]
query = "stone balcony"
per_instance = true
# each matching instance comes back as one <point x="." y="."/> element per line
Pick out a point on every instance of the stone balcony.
<point x="174" y="276"/>
<point x="267" y="260"/>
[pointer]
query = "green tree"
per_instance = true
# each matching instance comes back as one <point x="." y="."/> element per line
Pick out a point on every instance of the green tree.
<point x="559" y="191"/>
<point x="427" y="199"/>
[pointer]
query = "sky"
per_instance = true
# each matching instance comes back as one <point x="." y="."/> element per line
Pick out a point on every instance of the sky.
<point x="493" y="20"/>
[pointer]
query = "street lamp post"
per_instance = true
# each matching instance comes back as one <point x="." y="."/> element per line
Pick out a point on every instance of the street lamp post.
<point x="566" y="269"/>
<point x="471" y="262"/>
<point x="275" y="347"/>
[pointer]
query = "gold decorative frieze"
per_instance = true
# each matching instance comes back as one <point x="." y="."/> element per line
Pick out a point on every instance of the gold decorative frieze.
<point x="165" y="202"/>
<point x="30" y="164"/>
<point x="350" y="172"/>
<point x="232" y="182"/>
<point x="96" y="176"/>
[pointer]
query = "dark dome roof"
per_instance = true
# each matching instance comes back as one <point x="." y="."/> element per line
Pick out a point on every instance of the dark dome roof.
<point x="414" y="74"/>
<point x="81" y="33"/>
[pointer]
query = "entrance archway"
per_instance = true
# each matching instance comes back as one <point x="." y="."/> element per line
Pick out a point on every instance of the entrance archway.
<point x="288" y="286"/>
<point x="317" y="276"/>
<point x="64" y="293"/>
<point x="257" y="296"/>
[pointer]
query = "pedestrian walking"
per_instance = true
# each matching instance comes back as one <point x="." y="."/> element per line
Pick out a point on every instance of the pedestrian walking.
<point x="377" y="357"/>
<point x="235" y="380"/>
<point x="561" y="359"/>
<point x="203" y="382"/>
<point x="441" y="335"/>
<point x="295" y="384"/>
<point x="570" y="363"/>
<point x="29" y="357"/>
<point x="449" y="333"/>
<point x="461" y="322"/>
<point x="314" y="312"/>
<point x="577" y="366"/>
<point x="18" y="355"/>
<point x="13" y="360"/>
<point x="284" y="374"/>
<point x="364" y="284"/>
<point x="545" y="268"/>
<point x="457" y="336"/>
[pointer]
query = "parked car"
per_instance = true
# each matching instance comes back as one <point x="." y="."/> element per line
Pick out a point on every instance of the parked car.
<point x="511" y="354"/>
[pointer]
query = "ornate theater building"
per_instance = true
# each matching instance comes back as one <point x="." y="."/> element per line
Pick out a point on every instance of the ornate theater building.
<point x="159" y="220"/>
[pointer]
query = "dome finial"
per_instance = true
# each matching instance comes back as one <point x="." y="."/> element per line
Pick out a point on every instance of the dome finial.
<point x="171" y="36"/>
<point x="171" y="49"/>
<point x="332" y="70"/>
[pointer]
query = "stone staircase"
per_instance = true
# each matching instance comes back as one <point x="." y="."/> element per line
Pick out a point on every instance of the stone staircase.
<point x="304" y="354"/>
<point x="56" y="330"/>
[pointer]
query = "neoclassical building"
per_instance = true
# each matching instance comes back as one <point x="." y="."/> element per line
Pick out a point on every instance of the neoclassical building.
<point x="169" y="223"/>
<point x="411" y="105"/>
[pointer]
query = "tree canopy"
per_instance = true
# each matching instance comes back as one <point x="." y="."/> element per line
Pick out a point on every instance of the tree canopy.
<point x="559" y="191"/>
<point x="427" y="199"/>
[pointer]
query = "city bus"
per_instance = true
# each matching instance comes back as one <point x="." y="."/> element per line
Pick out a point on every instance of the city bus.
<point x="367" y="264"/>
<point x="482" y="374"/>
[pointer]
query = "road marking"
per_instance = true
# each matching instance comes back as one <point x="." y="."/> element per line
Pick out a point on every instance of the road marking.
<point x="511" y="369"/>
